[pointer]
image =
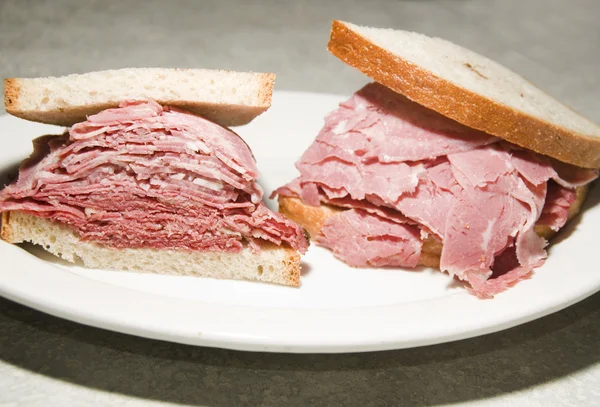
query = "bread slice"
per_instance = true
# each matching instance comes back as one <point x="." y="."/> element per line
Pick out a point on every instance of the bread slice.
<point x="273" y="264"/>
<point x="470" y="89"/>
<point x="312" y="219"/>
<point x="225" y="97"/>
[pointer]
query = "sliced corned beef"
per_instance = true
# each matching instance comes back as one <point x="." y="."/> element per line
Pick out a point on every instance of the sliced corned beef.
<point x="146" y="176"/>
<point x="363" y="239"/>
<point x="394" y="162"/>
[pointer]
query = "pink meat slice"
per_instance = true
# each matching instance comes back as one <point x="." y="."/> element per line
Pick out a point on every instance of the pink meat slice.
<point x="391" y="161"/>
<point x="363" y="239"/>
<point x="479" y="167"/>
<point x="570" y="176"/>
<point x="385" y="180"/>
<point x="497" y="206"/>
<point x="507" y="272"/>
<point x="433" y="199"/>
<point x="556" y="207"/>
<point x="534" y="168"/>
<point x="146" y="176"/>
<point x="377" y="123"/>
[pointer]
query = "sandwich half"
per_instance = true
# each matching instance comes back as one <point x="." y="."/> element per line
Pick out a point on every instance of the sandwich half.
<point x="147" y="177"/>
<point x="448" y="160"/>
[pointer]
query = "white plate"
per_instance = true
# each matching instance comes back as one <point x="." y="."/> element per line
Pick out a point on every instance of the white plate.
<point x="337" y="309"/>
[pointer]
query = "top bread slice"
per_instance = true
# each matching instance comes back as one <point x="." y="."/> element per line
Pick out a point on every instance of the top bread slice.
<point x="225" y="97"/>
<point x="470" y="89"/>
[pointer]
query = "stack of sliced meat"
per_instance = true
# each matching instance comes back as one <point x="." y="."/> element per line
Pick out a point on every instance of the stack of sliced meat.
<point x="146" y="176"/>
<point x="408" y="174"/>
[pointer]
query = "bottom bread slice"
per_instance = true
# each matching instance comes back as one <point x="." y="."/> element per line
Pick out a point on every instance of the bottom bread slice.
<point x="312" y="218"/>
<point x="272" y="264"/>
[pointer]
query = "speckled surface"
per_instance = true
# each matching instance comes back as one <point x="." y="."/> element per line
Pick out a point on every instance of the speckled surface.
<point x="45" y="361"/>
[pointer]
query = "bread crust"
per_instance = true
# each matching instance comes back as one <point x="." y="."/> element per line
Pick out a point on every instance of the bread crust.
<point x="312" y="219"/>
<point x="266" y="90"/>
<point x="11" y="94"/>
<point x="5" y="228"/>
<point x="459" y="104"/>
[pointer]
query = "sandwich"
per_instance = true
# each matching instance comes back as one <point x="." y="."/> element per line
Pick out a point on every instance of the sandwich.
<point x="446" y="160"/>
<point x="148" y="177"/>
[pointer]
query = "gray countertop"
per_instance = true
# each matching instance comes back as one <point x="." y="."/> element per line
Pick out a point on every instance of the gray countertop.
<point x="47" y="361"/>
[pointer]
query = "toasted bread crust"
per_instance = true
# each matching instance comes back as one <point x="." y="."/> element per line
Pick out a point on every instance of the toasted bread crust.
<point x="266" y="92"/>
<point x="312" y="219"/>
<point x="5" y="228"/>
<point x="309" y="217"/>
<point x="11" y="94"/>
<point x="462" y="105"/>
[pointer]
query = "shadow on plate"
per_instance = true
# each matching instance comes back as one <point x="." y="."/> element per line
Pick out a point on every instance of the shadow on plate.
<point x="9" y="173"/>
<point x="306" y="268"/>
<point x="488" y="366"/>
<point x="40" y="253"/>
